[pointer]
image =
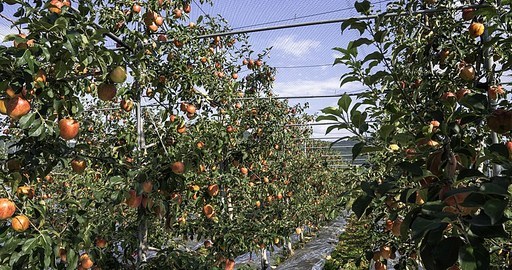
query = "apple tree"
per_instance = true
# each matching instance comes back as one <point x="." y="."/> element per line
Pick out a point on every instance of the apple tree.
<point x="118" y="156"/>
<point x="435" y="123"/>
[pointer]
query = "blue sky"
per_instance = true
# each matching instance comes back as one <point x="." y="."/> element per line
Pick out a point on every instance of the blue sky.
<point x="303" y="46"/>
<point x="291" y="47"/>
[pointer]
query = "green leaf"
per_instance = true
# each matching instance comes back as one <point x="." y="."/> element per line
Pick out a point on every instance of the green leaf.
<point x="341" y="50"/>
<point x="373" y="56"/>
<point x="72" y="257"/>
<point x="353" y="24"/>
<point x="476" y="102"/>
<point x="420" y="226"/>
<point x="11" y="37"/>
<point x="371" y="149"/>
<point x="373" y="79"/>
<point x="345" y="24"/>
<point x="431" y="208"/>
<point x="27" y="57"/>
<point x="69" y="46"/>
<point x="385" y="187"/>
<point x="344" y="102"/>
<point x="331" y="110"/>
<point x="446" y="252"/>
<point x="10" y="245"/>
<point x="61" y="23"/>
<point x="499" y="149"/>
<point x="36" y="130"/>
<point x="363" y="7"/>
<point x="338" y="61"/>
<point x="348" y="79"/>
<point x="326" y="118"/>
<point x="21" y="61"/>
<point x="469" y="173"/>
<point x="368" y="188"/>
<point x="57" y="104"/>
<point x="495" y="209"/>
<point x="494" y="189"/>
<point x="356" y="150"/>
<point x="29" y="244"/>
<point x="331" y="128"/>
<point x="358" y="42"/>
<point x="61" y="71"/>
<point x="358" y="119"/>
<point x="385" y="131"/>
<point x="3" y="85"/>
<point x="360" y="26"/>
<point x="103" y="65"/>
<point x="413" y="168"/>
<point x="408" y="219"/>
<point x="27" y="120"/>
<point x="403" y="138"/>
<point x="360" y="204"/>
<point x="473" y="257"/>
<point x="380" y="36"/>
<point x="363" y="127"/>
<point x="354" y="108"/>
<point x="497" y="231"/>
<point x="474" y="199"/>
<point x="15" y="257"/>
<point x="372" y="64"/>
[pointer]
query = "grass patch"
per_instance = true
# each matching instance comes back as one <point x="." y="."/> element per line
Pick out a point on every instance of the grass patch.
<point x="350" y="251"/>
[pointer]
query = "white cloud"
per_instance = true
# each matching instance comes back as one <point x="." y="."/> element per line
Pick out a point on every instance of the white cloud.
<point x="290" y="44"/>
<point x="314" y="87"/>
<point x="319" y="132"/>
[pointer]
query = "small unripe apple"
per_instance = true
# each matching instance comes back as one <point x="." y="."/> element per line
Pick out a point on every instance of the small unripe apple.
<point x="118" y="75"/>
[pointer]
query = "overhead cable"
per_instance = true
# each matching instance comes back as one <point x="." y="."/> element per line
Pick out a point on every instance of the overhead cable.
<point x="303" y="17"/>
<point x="340" y="20"/>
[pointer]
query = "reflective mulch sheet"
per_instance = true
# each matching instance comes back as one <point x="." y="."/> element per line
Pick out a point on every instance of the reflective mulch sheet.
<point x="312" y="256"/>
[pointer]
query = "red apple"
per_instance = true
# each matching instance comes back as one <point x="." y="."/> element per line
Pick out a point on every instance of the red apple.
<point x="187" y="8"/>
<point x="7" y="208"/>
<point x="106" y="92"/>
<point x="177" y="13"/>
<point x="134" y="201"/>
<point x="127" y="105"/>
<point x="147" y="186"/>
<point x="178" y="167"/>
<point x="68" y="128"/>
<point x="509" y="148"/>
<point x="468" y="14"/>
<point x="136" y="8"/>
<point x="213" y="190"/>
<point x="78" y="165"/>
<point x="500" y="121"/>
<point x="17" y="107"/>
<point x="101" y="243"/>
